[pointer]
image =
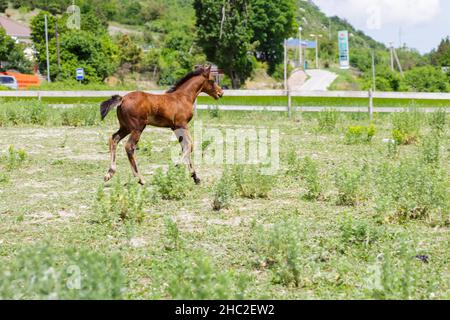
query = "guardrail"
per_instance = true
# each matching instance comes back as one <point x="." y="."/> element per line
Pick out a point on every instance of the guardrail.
<point x="254" y="93"/>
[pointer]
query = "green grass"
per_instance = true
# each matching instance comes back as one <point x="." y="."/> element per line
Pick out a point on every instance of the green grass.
<point x="129" y="242"/>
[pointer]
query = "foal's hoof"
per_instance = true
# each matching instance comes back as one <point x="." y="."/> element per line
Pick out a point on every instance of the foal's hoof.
<point x="108" y="176"/>
<point x="142" y="182"/>
<point x="196" y="179"/>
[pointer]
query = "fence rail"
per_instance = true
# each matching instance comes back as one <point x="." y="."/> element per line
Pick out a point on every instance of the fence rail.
<point x="258" y="93"/>
<point x="239" y="93"/>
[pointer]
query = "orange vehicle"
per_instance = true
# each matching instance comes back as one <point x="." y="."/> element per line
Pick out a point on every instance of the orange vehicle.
<point x="24" y="81"/>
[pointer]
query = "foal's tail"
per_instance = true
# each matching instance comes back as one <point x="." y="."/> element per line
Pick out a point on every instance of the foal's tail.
<point x="107" y="105"/>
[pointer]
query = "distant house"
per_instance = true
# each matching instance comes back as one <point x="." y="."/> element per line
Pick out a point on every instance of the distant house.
<point x="16" y="30"/>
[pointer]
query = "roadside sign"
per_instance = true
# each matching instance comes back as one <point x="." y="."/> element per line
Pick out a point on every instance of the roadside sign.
<point x="80" y="74"/>
<point x="344" y="52"/>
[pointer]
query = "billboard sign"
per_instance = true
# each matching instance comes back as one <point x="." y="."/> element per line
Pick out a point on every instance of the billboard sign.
<point x="344" y="53"/>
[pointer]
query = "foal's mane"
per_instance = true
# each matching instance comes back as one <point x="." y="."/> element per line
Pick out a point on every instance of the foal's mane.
<point x="186" y="78"/>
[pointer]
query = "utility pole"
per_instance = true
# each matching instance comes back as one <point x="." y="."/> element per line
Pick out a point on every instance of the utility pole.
<point x="58" y="55"/>
<point x="46" y="46"/>
<point x="285" y="64"/>
<point x="373" y="71"/>
<point x="317" y="36"/>
<point x="300" y="48"/>
<point x="392" y="55"/>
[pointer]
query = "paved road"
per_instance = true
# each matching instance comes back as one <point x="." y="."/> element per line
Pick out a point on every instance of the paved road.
<point x="319" y="80"/>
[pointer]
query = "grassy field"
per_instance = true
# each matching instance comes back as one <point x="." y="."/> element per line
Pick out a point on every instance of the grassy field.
<point x="349" y="214"/>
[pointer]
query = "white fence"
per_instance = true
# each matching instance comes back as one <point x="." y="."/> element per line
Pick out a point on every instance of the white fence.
<point x="259" y="93"/>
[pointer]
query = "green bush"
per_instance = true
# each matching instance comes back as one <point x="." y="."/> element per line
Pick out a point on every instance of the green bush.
<point x="327" y="120"/>
<point x="406" y="127"/>
<point x="399" y="275"/>
<point x="23" y="112"/>
<point x="358" y="232"/>
<point x="43" y="272"/>
<point x="193" y="276"/>
<point x="283" y="250"/>
<point x="413" y="190"/>
<point x="224" y="192"/>
<point x="14" y="158"/>
<point x="429" y="148"/>
<point x="251" y="183"/>
<point x="349" y="183"/>
<point x="294" y="165"/>
<point x="78" y="116"/>
<point x="359" y="134"/>
<point x="174" y="184"/>
<point x="311" y="176"/>
<point x="124" y="204"/>
<point x="172" y="235"/>
<point x="438" y="121"/>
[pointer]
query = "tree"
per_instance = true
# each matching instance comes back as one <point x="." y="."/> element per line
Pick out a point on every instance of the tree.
<point x="441" y="56"/>
<point x="3" y="5"/>
<point x="12" y="55"/>
<point x="93" y="51"/>
<point x="130" y="53"/>
<point x="224" y="33"/>
<point x="427" y="79"/>
<point x="272" y="22"/>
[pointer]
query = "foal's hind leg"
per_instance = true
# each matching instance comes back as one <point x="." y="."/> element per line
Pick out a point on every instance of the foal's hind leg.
<point x="113" y="142"/>
<point x="185" y="139"/>
<point x="130" y="148"/>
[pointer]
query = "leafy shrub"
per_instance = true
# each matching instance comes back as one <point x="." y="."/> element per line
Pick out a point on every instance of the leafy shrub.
<point x="327" y="120"/>
<point x="251" y="183"/>
<point x="121" y="204"/>
<point x="174" y="184"/>
<point x="429" y="148"/>
<point x="392" y="149"/>
<point x="310" y="174"/>
<point x="193" y="276"/>
<point x="46" y="273"/>
<point x="172" y="236"/>
<point x="14" y="158"/>
<point x="399" y="275"/>
<point x="412" y="190"/>
<point x="283" y="250"/>
<point x="224" y="191"/>
<point x="349" y="182"/>
<point x="406" y="127"/>
<point x="358" y="232"/>
<point x="24" y="112"/>
<point x="359" y="134"/>
<point x="4" y="178"/>
<point x="438" y="121"/>
<point x="294" y="165"/>
<point x="214" y="111"/>
<point x="79" y="116"/>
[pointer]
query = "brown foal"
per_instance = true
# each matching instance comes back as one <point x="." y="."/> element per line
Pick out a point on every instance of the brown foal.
<point x="173" y="110"/>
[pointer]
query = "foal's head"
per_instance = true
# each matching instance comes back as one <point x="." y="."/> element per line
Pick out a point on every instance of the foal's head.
<point x="210" y="87"/>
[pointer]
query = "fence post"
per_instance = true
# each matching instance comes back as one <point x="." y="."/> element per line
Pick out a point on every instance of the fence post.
<point x="39" y="96"/>
<point x="370" y="104"/>
<point x="289" y="102"/>
<point x="195" y="108"/>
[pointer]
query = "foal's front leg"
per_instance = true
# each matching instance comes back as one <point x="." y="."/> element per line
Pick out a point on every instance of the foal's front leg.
<point x="185" y="139"/>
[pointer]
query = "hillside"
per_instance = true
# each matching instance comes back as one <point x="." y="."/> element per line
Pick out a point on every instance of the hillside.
<point x="166" y="31"/>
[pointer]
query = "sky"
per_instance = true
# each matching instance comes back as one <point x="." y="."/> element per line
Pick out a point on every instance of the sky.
<point x="421" y="24"/>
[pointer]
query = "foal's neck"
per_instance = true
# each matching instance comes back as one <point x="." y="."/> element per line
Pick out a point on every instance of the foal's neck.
<point x="192" y="88"/>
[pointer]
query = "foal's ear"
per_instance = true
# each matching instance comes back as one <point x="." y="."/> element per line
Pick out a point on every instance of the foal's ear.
<point x="207" y="71"/>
